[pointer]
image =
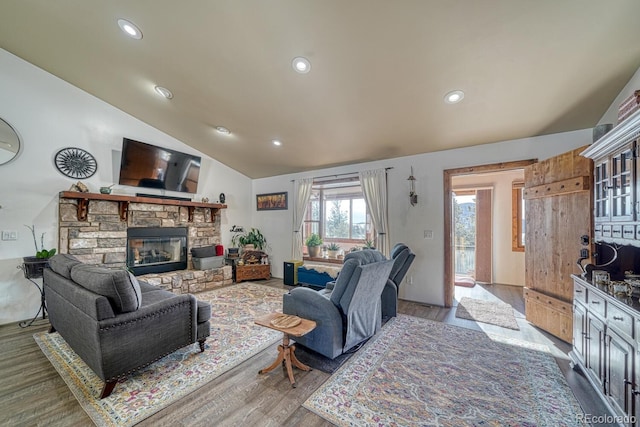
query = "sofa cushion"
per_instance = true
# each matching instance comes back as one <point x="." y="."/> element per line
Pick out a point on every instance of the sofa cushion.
<point x="62" y="264"/>
<point x="119" y="286"/>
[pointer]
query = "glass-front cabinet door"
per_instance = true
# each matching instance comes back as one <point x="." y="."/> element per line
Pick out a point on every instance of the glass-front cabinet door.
<point x="601" y="199"/>
<point x="622" y="176"/>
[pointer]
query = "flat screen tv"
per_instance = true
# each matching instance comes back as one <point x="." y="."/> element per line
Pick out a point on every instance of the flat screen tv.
<point x="149" y="166"/>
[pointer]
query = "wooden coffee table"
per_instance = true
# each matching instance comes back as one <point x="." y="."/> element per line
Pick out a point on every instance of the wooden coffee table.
<point x="286" y="353"/>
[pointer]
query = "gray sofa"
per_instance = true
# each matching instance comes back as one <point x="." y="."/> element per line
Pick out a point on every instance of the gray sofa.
<point x="348" y="313"/>
<point x="116" y="324"/>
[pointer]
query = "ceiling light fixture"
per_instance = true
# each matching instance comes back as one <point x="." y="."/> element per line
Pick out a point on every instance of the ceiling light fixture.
<point x="223" y="130"/>
<point x="164" y="92"/>
<point x="130" y="29"/>
<point x="454" y="97"/>
<point x="301" y="65"/>
<point x="276" y="142"/>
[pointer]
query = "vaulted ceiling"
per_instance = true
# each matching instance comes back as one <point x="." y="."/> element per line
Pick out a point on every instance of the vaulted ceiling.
<point x="379" y="70"/>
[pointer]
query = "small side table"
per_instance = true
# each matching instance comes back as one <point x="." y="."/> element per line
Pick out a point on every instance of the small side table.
<point x="33" y="270"/>
<point x="286" y="353"/>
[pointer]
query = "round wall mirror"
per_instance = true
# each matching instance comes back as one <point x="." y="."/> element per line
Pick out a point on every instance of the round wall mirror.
<point x="9" y="143"/>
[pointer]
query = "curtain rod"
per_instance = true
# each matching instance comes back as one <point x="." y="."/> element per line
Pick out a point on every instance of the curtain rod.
<point x="341" y="174"/>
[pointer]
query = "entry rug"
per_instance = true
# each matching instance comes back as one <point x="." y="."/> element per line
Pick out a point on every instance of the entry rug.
<point x="417" y="372"/>
<point x="492" y="312"/>
<point x="234" y="339"/>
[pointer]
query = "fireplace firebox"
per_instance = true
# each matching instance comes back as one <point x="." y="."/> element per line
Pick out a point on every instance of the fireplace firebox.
<point x="156" y="249"/>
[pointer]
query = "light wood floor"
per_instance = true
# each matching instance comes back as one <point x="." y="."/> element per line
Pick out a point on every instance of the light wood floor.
<point x="32" y="393"/>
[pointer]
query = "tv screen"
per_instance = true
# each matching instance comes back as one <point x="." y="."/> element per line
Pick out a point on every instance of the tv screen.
<point x="148" y="166"/>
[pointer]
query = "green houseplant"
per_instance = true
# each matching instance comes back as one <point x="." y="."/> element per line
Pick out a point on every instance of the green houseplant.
<point x="34" y="265"/>
<point x="332" y="250"/>
<point x="253" y="237"/>
<point x="313" y="243"/>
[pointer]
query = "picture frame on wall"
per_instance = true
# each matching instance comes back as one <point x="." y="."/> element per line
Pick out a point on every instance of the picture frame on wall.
<point x="272" y="201"/>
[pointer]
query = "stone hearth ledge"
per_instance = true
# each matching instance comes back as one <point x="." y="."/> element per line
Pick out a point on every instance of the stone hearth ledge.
<point x="190" y="281"/>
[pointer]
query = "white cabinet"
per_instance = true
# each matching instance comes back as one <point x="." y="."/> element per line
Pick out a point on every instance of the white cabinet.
<point x="606" y="348"/>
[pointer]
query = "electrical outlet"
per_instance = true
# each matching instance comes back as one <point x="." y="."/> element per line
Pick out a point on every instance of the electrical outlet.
<point x="9" y="235"/>
<point x="428" y="234"/>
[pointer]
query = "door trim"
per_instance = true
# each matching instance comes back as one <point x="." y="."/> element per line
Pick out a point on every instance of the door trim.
<point x="449" y="276"/>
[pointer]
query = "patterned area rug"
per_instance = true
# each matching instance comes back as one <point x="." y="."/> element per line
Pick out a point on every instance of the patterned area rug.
<point x="234" y="338"/>
<point x="492" y="312"/>
<point x="417" y="372"/>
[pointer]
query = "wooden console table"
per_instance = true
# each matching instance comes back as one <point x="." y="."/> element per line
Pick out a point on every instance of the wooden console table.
<point x="252" y="272"/>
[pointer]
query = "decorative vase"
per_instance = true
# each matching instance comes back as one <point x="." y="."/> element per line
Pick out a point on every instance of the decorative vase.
<point x="314" y="251"/>
<point x="332" y="254"/>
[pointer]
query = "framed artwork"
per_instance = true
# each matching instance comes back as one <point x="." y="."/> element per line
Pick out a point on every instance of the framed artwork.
<point x="272" y="201"/>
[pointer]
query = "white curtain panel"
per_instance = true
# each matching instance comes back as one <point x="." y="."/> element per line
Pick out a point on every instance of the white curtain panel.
<point x="301" y="194"/>
<point x="374" y="187"/>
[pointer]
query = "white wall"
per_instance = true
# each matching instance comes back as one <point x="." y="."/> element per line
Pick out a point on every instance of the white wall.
<point x="50" y="114"/>
<point x="407" y="223"/>
<point x="507" y="265"/>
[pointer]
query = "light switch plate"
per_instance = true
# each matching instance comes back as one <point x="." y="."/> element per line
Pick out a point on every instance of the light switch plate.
<point x="9" y="235"/>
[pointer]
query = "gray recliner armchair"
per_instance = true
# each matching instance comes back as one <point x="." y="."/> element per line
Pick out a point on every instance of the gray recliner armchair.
<point x="402" y="259"/>
<point x="350" y="312"/>
<point x="116" y="324"/>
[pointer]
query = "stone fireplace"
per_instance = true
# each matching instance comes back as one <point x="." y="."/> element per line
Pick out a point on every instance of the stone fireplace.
<point x="95" y="228"/>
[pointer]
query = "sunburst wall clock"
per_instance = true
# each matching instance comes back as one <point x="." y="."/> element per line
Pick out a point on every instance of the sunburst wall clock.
<point x="75" y="163"/>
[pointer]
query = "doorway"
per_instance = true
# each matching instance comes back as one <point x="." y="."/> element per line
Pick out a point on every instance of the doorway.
<point x="483" y="268"/>
<point x="472" y="233"/>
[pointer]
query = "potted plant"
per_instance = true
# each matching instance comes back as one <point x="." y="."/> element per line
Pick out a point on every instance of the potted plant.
<point x="253" y="237"/>
<point x="332" y="250"/>
<point x="313" y="243"/>
<point x="368" y="244"/>
<point x="33" y="265"/>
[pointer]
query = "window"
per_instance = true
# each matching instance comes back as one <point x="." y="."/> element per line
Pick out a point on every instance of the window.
<point x="517" y="217"/>
<point x="338" y="213"/>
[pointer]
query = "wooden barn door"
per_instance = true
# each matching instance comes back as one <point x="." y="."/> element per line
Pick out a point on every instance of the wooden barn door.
<point x="558" y="211"/>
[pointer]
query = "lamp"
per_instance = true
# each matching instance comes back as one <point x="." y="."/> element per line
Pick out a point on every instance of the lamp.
<point x="413" y="197"/>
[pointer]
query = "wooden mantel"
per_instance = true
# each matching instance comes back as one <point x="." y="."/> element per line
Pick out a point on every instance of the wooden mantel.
<point x="123" y="203"/>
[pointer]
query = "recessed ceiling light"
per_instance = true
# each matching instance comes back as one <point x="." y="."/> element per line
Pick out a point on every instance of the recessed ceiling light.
<point x="276" y="142"/>
<point x="130" y="29"/>
<point x="223" y="130"/>
<point x="301" y="65"/>
<point x="164" y="92"/>
<point x="454" y="97"/>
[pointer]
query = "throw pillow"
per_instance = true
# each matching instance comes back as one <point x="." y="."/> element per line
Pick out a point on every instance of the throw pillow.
<point x="119" y="286"/>
<point x="63" y="263"/>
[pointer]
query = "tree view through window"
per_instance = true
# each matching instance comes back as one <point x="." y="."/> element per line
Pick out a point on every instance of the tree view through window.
<point x="338" y="213"/>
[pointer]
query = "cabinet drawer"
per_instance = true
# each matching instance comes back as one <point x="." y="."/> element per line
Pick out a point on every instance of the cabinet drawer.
<point x="606" y="230"/>
<point x="629" y="232"/>
<point x="579" y="293"/>
<point x="620" y="320"/>
<point x="597" y="305"/>
<point x="597" y="230"/>
<point x="616" y="231"/>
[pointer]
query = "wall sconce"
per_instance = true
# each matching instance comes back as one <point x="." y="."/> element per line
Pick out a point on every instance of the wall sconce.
<point x="413" y="197"/>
